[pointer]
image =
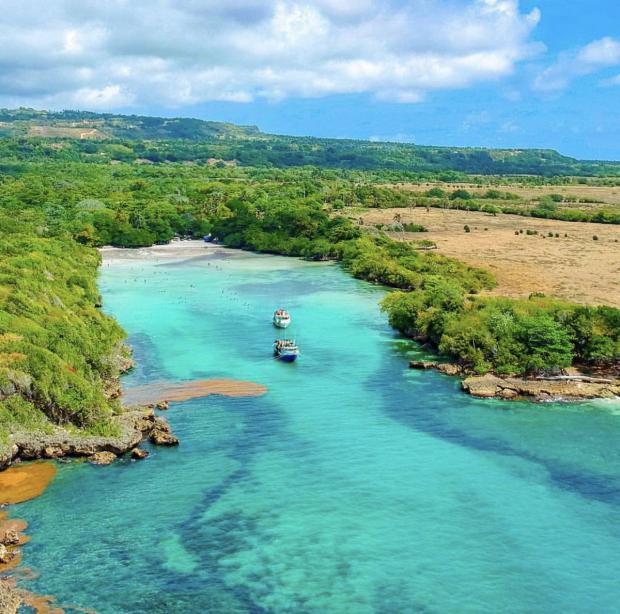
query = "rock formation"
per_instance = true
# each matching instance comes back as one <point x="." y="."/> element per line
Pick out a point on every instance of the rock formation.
<point x="134" y="426"/>
<point x="573" y="387"/>
<point x="102" y="458"/>
<point x="552" y="389"/>
<point x="10" y="598"/>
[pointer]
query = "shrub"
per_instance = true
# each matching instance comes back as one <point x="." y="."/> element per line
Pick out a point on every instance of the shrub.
<point x="435" y="193"/>
<point x="460" y="194"/>
<point x="410" y="227"/>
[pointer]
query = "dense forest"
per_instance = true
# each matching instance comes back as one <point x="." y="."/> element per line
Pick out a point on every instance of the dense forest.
<point x="57" y="350"/>
<point x="83" y="136"/>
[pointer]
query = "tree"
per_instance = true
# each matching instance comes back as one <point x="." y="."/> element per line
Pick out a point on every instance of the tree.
<point x="460" y="193"/>
<point x="546" y="343"/>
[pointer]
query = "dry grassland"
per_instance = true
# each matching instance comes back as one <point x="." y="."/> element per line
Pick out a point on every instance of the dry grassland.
<point x="573" y="267"/>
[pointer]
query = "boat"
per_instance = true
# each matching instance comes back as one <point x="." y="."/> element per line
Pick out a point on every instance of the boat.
<point x="285" y="350"/>
<point x="281" y="318"/>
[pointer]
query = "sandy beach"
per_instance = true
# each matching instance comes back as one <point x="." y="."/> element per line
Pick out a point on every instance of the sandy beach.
<point x="174" y="250"/>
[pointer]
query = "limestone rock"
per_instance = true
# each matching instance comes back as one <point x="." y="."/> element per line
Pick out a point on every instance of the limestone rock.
<point x="422" y="364"/>
<point x="508" y="393"/>
<point x="161" y="405"/>
<point x="449" y="368"/>
<point x="10" y="598"/>
<point x="541" y="389"/>
<point x="161" y="424"/>
<point x="134" y="425"/>
<point x="139" y="453"/>
<point x="6" y="555"/>
<point x="10" y="538"/>
<point x="444" y="367"/>
<point x="53" y="451"/>
<point x="163" y="438"/>
<point x="484" y="386"/>
<point x="102" y="458"/>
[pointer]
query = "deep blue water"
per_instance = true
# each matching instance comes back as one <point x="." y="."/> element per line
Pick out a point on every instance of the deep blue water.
<point x="353" y="485"/>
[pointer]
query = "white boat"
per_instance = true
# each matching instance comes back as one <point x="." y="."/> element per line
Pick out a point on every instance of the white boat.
<point x="281" y="318"/>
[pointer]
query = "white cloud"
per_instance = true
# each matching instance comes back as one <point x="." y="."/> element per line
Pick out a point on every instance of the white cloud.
<point x="103" y="98"/>
<point x="89" y="53"/>
<point x="399" y="137"/>
<point x="595" y="56"/>
<point x="611" y="81"/>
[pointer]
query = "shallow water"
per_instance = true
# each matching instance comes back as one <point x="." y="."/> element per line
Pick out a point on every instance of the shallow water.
<point x="353" y="485"/>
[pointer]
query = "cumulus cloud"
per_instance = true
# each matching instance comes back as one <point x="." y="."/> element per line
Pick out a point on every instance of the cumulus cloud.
<point x="119" y="53"/>
<point x="595" y="56"/>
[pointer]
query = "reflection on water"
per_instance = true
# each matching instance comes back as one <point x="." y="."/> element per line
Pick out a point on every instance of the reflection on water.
<point x="352" y="485"/>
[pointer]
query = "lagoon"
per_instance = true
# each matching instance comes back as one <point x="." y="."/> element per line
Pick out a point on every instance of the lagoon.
<point x="352" y="485"/>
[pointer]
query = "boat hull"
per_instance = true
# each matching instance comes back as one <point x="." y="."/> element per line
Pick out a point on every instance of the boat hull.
<point x="287" y="357"/>
<point x="281" y="323"/>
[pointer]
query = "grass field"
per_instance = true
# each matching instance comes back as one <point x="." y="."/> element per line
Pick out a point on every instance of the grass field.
<point x="574" y="267"/>
<point x="596" y="194"/>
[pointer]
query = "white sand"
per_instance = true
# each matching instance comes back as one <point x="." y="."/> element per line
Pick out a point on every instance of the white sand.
<point x="176" y="250"/>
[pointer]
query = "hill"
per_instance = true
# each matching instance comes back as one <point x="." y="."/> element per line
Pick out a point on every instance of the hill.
<point x="82" y="135"/>
<point x="87" y="125"/>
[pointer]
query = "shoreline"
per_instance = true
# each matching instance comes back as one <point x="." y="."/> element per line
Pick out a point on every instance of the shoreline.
<point x="139" y="421"/>
<point x="484" y="386"/>
<point x="136" y="425"/>
<point x="570" y="388"/>
<point x="19" y="484"/>
<point x="188" y="249"/>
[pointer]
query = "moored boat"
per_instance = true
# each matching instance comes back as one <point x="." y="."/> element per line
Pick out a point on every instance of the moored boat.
<point x="281" y="318"/>
<point x="285" y="350"/>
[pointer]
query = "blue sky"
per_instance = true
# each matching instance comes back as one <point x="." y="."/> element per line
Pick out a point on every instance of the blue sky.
<point x="500" y="73"/>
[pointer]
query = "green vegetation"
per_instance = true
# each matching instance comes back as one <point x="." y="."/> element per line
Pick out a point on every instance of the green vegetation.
<point x="56" y="348"/>
<point x="545" y="207"/>
<point x="129" y="138"/>
<point x="59" y="199"/>
<point x="504" y="335"/>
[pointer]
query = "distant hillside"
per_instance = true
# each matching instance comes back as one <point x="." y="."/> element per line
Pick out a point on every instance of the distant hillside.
<point x="105" y="137"/>
<point x="87" y="125"/>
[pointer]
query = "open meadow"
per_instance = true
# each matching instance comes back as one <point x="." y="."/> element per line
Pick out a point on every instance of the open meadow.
<point x="573" y="266"/>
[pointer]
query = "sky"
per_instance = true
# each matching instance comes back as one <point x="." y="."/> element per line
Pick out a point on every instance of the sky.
<point x="494" y="73"/>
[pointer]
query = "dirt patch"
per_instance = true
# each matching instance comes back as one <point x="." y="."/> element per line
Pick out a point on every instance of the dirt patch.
<point x="65" y="132"/>
<point x="24" y="482"/>
<point x="160" y="392"/>
<point x="573" y="267"/>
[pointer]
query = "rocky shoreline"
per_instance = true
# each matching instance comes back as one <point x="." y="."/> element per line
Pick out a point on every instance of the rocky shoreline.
<point x="572" y="387"/>
<point x="135" y="425"/>
<point x="10" y="596"/>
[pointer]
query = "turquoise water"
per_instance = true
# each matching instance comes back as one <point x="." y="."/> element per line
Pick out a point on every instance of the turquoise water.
<point x="353" y="485"/>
